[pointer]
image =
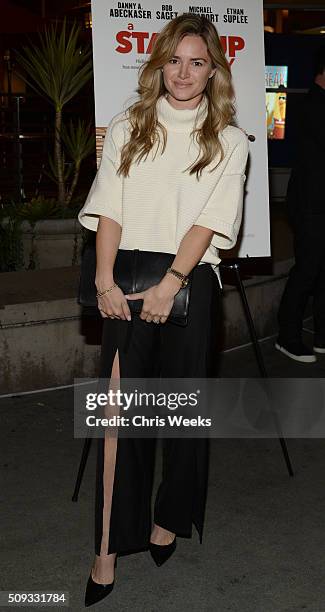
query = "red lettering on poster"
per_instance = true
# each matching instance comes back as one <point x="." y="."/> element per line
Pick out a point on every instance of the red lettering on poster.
<point x="125" y="45"/>
<point x="127" y="39"/>
<point x="232" y="44"/>
<point x="152" y="40"/>
<point x="140" y="38"/>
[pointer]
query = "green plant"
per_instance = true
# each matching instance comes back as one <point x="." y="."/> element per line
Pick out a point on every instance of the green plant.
<point x="79" y="142"/>
<point x="58" y="68"/>
<point x="38" y="208"/>
<point x="11" y="244"/>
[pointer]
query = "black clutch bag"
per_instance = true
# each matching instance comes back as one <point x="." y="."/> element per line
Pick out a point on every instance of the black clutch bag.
<point x="134" y="271"/>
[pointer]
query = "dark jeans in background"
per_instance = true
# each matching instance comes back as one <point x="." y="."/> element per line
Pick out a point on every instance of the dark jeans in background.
<point x="307" y="277"/>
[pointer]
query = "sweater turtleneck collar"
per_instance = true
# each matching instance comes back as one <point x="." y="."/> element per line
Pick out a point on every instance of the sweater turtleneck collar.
<point x="180" y="120"/>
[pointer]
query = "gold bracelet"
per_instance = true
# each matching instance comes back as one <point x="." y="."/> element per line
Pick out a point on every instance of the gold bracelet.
<point x="100" y="293"/>
<point x="181" y="277"/>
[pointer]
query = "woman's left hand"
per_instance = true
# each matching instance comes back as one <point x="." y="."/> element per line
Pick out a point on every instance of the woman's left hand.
<point x="157" y="300"/>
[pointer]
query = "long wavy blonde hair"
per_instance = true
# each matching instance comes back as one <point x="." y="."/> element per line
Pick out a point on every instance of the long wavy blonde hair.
<point x="146" y="130"/>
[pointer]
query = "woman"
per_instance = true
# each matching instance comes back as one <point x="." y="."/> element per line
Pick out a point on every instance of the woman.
<point x="171" y="180"/>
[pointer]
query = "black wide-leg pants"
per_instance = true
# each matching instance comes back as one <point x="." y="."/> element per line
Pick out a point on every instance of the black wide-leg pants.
<point x="164" y="350"/>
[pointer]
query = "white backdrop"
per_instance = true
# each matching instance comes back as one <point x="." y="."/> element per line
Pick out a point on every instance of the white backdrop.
<point x="122" y="35"/>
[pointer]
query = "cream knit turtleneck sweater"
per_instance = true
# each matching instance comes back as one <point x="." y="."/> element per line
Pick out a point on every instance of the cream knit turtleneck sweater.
<point x="160" y="201"/>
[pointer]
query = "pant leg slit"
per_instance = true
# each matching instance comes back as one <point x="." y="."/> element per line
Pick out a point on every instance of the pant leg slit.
<point x="124" y="465"/>
<point x="110" y="448"/>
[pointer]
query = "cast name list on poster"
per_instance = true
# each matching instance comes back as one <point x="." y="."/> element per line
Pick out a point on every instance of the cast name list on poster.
<point x="134" y="10"/>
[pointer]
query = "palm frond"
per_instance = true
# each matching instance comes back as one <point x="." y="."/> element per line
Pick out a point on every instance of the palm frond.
<point x="79" y="140"/>
<point x="57" y="66"/>
<point x="52" y="172"/>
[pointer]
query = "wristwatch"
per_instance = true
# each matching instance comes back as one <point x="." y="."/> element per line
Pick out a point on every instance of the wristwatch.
<point x="182" y="277"/>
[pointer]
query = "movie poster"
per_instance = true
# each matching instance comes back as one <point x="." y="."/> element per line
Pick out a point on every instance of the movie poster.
<point x="123" y="35"/>
<point x="276" y="77"/>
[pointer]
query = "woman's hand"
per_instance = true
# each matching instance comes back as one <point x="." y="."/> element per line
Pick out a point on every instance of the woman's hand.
<point x="157" y="300"/>
<point x="114" y="305"/>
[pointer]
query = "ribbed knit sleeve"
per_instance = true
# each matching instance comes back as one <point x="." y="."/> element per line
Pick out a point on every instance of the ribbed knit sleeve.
<point x="223" y="211"/>
<point x="105" y="195"/>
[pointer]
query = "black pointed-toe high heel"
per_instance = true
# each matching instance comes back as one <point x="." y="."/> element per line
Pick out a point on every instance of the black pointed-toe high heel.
<point x="160" y="553"/>
<point x="95" y="592"/>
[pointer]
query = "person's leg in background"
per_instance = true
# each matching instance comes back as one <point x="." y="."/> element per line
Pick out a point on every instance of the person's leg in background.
<point x="187" y="352"/>
<point x="309" y="254"/>
<point x="319" y="297"/>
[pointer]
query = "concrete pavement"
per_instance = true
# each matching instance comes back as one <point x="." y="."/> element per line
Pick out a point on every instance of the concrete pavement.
<point x="263" y="548"/>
